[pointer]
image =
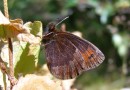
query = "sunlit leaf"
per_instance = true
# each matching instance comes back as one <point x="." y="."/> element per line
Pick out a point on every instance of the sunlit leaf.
<point x="121" y="42"/>
<point x="26" y="49"/>
<point x="10" y="28"/>
<point x="123" y="4"/>
<point x="16" y="29"/>
<point x="104" y="12"/>
<point x="36" y="32"/>
<point x="26" y="54"/>
<point x="3" y="19"/>
<point x="117" y="40"/>
<point x="35" y="82"/>
<point x="122" y="50"/>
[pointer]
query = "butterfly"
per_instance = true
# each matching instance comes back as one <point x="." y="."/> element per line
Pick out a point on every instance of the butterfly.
<point x="68" y="55"/>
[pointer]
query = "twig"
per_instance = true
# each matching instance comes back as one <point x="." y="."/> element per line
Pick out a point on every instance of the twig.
<point x="10" y="57"/>
<point x="10" y="47"/>
<point x="4" y="70"/>
<point x="6" y="8"/>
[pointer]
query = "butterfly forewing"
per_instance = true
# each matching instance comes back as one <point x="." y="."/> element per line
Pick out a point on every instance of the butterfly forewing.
<point x="68" y="55"/>
<point x="90" y="52"/>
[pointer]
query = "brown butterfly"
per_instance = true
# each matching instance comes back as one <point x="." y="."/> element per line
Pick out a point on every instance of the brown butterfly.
<point x="68" y="55"/>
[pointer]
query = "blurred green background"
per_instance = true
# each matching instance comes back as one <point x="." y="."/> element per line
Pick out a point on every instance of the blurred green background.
<point x="105" y="23"/>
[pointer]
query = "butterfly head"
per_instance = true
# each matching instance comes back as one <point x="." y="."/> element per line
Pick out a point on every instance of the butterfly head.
<point x="49" y="33"/>
<point x="50" y="28"/>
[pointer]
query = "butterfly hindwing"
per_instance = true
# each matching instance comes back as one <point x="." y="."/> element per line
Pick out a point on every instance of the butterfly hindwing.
<point x="68" y="55"/>
<point x="91" y="54"/>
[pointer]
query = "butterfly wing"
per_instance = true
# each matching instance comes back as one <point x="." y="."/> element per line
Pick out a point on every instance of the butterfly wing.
<point x="68" y="55"/>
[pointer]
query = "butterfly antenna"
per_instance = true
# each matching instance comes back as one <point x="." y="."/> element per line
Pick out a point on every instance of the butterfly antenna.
<point x="59" y="21"/>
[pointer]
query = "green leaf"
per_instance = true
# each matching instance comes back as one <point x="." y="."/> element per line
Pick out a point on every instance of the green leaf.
<point x="26" y="55"/>
<point x="71" y="3"/>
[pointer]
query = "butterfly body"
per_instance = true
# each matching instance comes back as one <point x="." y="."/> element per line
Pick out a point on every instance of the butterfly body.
<point x="68" y="55"/>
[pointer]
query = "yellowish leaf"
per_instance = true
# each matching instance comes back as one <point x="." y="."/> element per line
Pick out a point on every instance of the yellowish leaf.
<point x="16" y="29"/>
<point x="35" y="82"/>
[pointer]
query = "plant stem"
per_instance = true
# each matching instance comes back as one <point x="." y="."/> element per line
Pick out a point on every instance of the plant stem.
<point x="10" y="48"/>
<point x="3" y="68"/>
<point x="6" y="8"/>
